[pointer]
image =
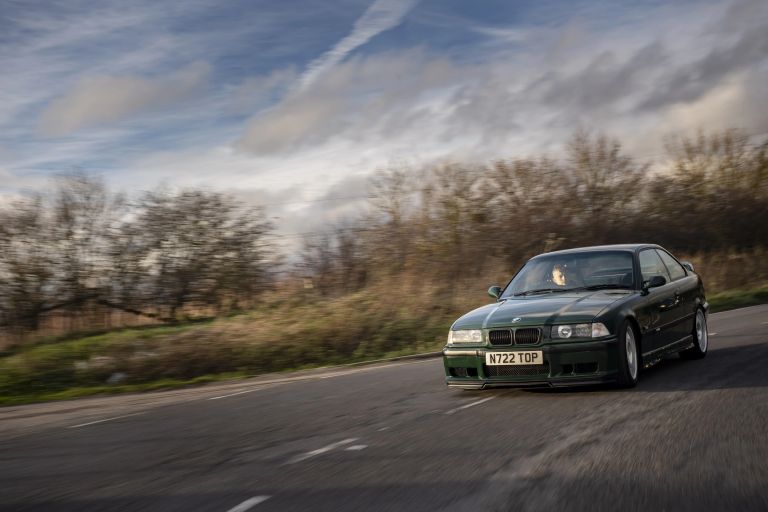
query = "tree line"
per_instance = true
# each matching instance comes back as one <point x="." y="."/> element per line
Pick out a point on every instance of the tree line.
<point x="168" y="254"/>
<point x="453" y="222"/>
<point x="158" y="256"/>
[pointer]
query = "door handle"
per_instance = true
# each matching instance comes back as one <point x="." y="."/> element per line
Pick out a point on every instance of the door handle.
<point x="670" y="302"/>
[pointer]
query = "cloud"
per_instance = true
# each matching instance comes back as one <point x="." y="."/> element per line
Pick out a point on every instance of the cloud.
<point x="255" y="91"/>
<point x="380" y="16"/>
<point x="102" y="99"/>
<point x="607" y="78"/>
<point x="690" y="82"/>
<point x="741" y="14"/>
<point x="417" y="104"/>
<point x="739" y="97"/>
<point x="294" y="123"/>
<point x="341" y="200"/>
<point x="506" y="35"/>
<point x="365" y="99"/>
<point x="15" y="186"/>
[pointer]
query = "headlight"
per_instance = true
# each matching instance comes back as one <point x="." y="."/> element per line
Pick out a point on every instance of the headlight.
<point x="599" y="330"/>
<point x="465" y="336"/>
<point x="594" y="330"/>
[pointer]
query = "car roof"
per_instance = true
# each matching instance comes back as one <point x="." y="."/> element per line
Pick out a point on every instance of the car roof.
<point x="597" y="248"/>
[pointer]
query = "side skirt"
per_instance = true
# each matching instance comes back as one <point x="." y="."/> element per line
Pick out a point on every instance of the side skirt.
<point x="653" y="357"/>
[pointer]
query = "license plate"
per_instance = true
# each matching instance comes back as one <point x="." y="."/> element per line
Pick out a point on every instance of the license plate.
<point x="506" y="358"/>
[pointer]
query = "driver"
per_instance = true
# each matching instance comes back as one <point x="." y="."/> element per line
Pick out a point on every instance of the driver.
<point x="559" y="272"/>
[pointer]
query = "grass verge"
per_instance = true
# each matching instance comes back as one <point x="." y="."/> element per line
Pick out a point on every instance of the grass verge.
<point x="293" y="336"/>
<point x="299" y="335"/>
<point x="733" y="299"/>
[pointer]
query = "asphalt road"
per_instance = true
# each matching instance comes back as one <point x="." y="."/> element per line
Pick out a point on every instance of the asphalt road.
<point x="692" y="436"/>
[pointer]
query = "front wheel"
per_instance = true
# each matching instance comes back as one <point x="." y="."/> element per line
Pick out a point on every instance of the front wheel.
<point x="700" y="338"/>
<point x="629" y="356"/>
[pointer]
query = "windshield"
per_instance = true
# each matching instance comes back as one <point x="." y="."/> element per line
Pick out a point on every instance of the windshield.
<point x="573" y="271"/>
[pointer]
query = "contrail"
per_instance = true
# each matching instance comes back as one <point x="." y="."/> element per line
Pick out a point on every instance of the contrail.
<point x="380" y="16"/>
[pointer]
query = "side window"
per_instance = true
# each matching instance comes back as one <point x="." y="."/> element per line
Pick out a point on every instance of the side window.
<point x="651" y="265"/>
<point x="676" y="270"/>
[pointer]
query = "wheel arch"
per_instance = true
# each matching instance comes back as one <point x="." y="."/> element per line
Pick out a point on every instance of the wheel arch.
<point x="630" y="317"/>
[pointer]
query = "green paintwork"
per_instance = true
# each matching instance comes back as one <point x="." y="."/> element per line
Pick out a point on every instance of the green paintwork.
<point x="564" y="308"/>
<point x="663" y="317"/>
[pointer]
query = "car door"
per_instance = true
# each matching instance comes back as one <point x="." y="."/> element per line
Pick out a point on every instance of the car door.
<point x="658" y="307"/>
<point x="686" y="287"/>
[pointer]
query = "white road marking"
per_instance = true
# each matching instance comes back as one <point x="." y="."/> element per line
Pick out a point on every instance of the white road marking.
<point x="270" y="383"/>
<point x="105" y="419"/>
<point x="235" y="394"/>
<point x="382" y="429"/>
<point x="467" y="406"/>
<point x="259" y="387"/>
<point x="249" y="503"/>
<point x="356" y="447"/>
<point x="712" y="334"/>
<point x="320" y="451"/>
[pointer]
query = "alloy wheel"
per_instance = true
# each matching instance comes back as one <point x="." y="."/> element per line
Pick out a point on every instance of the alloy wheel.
<point x="701" y="331"/>
<point x="631" y="349"/>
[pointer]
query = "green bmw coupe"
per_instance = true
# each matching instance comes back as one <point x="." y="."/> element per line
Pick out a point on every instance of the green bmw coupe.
<point x="581" y="316"/>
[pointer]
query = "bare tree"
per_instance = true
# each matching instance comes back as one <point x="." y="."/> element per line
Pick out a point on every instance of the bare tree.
<point x="530" y="206"/>
<point x="54" y="253"/>
<point x="335" y="261"/>
<point x="392" y="203"/>
<point x="81" y="247"/>
<point x="199" y="248"/>
<point x="83" y="214"/>
<point x="605" y="184"/>
<point x="717" y="188"/>
<point x="27" y="272"/>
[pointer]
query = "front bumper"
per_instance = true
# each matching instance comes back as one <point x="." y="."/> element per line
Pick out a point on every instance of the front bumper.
<point x="565" y="364"/>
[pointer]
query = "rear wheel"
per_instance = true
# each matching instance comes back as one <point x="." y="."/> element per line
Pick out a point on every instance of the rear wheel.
<point x="629" y="356"/>
<point x="700" y="338"/>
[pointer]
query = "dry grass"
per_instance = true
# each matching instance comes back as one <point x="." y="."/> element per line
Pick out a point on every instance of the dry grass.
<point x="728" y="270"/>
<point x="294" y="329"/>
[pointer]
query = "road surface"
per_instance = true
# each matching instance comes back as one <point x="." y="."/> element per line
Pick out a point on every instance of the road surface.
<point x="692" y="436"/>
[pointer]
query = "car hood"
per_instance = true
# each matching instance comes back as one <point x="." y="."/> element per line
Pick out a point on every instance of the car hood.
<point x="541" y="310"/>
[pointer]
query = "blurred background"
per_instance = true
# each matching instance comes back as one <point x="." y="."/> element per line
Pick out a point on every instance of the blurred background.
<point x="183" y="180"/>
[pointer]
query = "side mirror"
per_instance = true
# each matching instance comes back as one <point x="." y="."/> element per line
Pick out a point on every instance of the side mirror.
<point x="688" y="265"/>
<point x="495" y="292"/>
<point x="655" y="282"/>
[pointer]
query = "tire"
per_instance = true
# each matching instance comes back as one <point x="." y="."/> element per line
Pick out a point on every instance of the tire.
<point x="630" y="360"/>
<point x="700" y="338"/>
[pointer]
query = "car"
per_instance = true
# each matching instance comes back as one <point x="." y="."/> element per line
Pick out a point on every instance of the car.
<point x="581" y="316"/>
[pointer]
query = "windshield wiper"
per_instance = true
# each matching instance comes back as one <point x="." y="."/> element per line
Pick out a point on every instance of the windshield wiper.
<point x="540" y="290"/>
<point x="602" y="287"/>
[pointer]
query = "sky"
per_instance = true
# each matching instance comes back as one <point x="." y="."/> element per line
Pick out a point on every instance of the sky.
<point x="293" y="104"/>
